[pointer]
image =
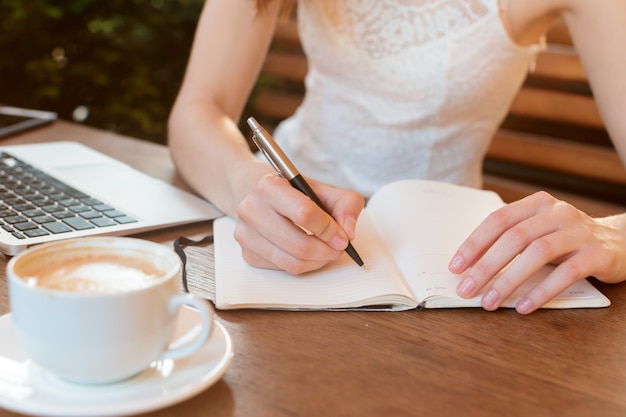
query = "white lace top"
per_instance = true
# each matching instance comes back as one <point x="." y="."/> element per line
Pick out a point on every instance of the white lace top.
<point x="401" y="89"/>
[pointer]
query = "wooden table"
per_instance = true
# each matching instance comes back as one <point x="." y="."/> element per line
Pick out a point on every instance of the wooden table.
<point x="434" y="363"/>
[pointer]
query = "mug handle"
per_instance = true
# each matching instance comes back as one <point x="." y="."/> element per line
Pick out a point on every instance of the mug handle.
<point x="177" y="301"/>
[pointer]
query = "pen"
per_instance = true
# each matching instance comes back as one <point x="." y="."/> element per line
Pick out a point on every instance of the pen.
<point x="287" y="170"/>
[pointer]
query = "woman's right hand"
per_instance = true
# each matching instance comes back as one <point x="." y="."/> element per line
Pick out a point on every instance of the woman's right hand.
<point x="278" y="227"/>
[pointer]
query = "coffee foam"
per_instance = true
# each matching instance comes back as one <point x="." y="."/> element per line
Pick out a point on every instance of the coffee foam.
<point x="96" y="273"/>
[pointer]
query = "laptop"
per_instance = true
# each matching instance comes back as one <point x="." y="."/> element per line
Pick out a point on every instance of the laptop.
<point x="61" y="190"/>
<point x="15" y="120"/>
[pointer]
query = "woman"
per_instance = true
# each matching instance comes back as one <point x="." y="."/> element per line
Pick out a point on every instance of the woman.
<point x="397" y="89"/>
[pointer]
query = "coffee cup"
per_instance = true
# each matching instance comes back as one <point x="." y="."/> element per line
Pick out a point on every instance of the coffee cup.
<point x="98" y="310"/>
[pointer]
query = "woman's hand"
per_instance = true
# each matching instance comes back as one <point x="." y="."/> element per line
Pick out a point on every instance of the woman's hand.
<point x="279" y="227"/>
<point x="529" y="234"/>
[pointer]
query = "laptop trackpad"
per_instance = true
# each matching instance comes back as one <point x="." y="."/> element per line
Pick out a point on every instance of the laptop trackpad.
<point x="132" y="191"/>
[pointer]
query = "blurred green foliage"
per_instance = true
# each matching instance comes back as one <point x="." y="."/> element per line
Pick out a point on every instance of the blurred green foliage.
<point x="117" y="64"/>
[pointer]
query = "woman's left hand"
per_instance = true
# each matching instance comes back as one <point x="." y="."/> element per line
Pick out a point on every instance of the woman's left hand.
<point x="533" y="232"/>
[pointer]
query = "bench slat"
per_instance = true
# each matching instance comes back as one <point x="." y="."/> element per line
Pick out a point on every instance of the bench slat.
<point x="558" y="34"/>
<point x="275" y="104"/>
<point x="290" y="66"/>
<point x="558" y="106"/>
<point x="511" y="190"/>
<point x="558" y="155"/>
<point x="287" y="31"/>
<point x="561" y="63"/>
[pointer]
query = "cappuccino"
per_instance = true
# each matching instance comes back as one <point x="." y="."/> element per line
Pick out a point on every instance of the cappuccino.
<point x="97" y="273"/>
<point x="98" y="310"/>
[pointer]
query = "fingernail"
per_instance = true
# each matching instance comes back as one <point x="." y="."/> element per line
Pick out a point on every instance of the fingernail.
<point x="466" y="287"/>
<point x="456" y="264"/>
<point x="490" y="299"/>
<point x="525" y="306"/>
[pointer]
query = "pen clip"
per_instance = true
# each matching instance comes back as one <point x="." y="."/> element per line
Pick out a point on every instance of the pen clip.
<point x="267" y="155"/>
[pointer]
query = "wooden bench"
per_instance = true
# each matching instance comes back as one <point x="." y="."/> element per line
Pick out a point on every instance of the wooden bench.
<point x="553" y="138"/>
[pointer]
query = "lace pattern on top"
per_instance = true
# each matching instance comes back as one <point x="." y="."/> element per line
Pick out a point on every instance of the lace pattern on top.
<point x="401" y="89"/>
<point x="386" y="27"/>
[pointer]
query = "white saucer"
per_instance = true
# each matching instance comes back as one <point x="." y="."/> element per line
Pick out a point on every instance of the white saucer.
<point x="26" y="388"/>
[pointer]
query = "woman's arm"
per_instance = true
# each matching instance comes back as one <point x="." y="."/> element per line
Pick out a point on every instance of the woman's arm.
<point x="228" y="50"/>
<point x="213" y="156"/>
<point x="540" y="229"/>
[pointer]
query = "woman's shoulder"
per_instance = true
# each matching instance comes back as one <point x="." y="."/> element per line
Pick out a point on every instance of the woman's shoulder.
<point x="527" y="21"/>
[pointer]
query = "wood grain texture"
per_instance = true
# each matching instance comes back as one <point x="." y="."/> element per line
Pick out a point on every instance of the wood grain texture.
<point x="565" y="363"/>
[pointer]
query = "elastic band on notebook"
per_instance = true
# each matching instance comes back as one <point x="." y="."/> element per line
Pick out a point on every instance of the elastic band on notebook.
<point x="179" y="247"/>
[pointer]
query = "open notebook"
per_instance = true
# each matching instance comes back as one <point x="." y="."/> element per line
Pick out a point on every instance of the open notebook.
<point x="406" y="236"/>
<point x="60" y="190"/>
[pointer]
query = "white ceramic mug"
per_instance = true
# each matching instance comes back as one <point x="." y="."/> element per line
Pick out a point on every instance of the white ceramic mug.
<point x="100" y="309"/>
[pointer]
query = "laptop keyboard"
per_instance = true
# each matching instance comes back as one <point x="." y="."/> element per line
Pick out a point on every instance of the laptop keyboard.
<point x="33" y="203"/>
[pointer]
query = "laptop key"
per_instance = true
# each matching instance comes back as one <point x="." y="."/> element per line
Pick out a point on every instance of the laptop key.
<point x="57" y="196"/>
<point x="25" y="226"/>
<point x="43" y="219"/>
<point x="15" y="219"/>
<point x="78" y="223"/>
<point x="57" y="227"/>
<point x="50" y="208"/>
<point x="40" y="201"/>
<point x="62" y="214"/>
<point x="7" y="213"/>
<point x="36" y="233"/>
<point x="24" y="207"/>
<point x="124" y="219"/>
<point x="11" y="201"/>
<point x="103" y="222"/>
<point x="91" y="214"/>
<point x="102" y="207"/>
<point x="33" y="213"/>
<point x="69" y="202"/>
<point x="91" y="201"/>
<point x="114" y="213"/>
<point x="78" y="208"/>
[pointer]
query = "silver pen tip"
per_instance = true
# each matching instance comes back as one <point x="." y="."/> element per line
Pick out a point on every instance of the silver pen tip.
<point x="254" y="125"/>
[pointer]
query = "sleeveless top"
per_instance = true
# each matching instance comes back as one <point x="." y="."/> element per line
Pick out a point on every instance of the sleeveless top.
<point x="401" y="89"/>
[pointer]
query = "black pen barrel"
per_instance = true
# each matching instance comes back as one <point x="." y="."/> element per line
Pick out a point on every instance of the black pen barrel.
<point x="298" y="182"/>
